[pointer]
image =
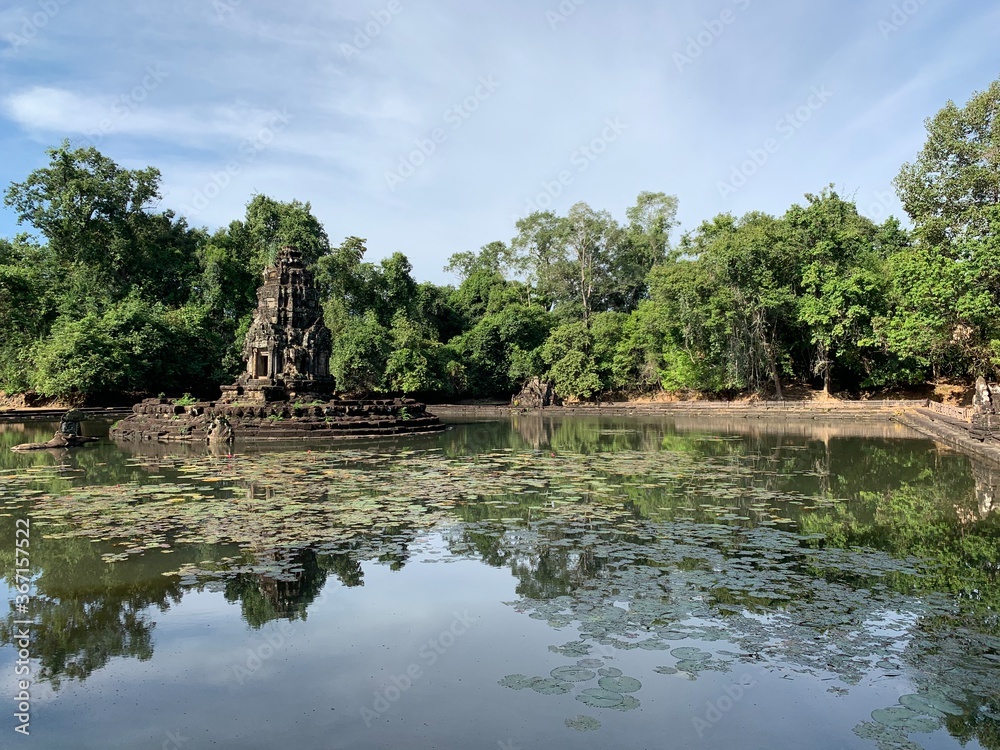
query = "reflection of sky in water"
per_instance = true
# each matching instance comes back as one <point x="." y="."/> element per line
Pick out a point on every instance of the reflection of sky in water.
<point x="326" y="667"/>
<point x="309" y="693"/>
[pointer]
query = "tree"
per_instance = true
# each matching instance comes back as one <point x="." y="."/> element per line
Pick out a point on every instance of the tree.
<point x="100" y="224"/>
<point x="26" y="307"/>
<point x="133" y="346"/>
<point x="414" y="365"/>
<point x="571" y="366"/>
<point x="360" y="353"/>
<point x="590" y="239"/>
<point x="271" y="224"/>
<point x="644" y="243"/>
<point x="494" y="258"/>
<point x="952" y="193"/>
<point x="539" y="253"/>
<point x="841" y="280"/>
<point x="751" y="268"/>
<point x="956" y="176"/>
<point x="494" y="350"/>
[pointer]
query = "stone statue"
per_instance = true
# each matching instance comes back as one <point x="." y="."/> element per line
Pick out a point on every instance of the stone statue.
<point x="220" y="432"/>
<point x="67" y="436"/>
<point x="984" y="411"/>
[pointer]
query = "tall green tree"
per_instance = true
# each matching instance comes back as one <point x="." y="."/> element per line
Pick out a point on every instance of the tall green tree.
<point x="644" y="243"/>
<point x="752" y="263"/>
<point x="101" y="223"/>
<point x="955" y="179"/>
<point x="842" y="282"/>
<point x="270" y="224"/>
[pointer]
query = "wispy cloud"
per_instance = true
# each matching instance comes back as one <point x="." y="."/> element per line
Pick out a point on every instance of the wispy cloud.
<point x="353" y="116"/>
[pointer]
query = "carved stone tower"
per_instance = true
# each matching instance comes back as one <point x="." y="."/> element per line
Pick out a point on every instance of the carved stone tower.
<point x="287" y="349"/>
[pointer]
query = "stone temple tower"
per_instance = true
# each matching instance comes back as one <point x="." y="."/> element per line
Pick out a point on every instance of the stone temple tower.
<point x="286" y="392"/>
<point x="287" y="349"/>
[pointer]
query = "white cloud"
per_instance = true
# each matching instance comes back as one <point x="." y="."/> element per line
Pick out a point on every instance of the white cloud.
<point x="353" y="118"/>
<point x="55" y="110"/>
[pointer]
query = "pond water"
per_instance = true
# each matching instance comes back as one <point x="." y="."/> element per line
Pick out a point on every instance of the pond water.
<point x="514" y="583"/>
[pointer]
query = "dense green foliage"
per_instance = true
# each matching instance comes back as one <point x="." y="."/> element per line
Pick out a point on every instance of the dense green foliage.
<point x="115" y="295"/>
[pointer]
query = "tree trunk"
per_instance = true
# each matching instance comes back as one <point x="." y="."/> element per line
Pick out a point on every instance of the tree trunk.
<point x="773" y="365"/>
<point x="824" y="354"/>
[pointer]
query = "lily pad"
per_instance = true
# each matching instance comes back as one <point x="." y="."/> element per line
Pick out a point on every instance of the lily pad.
<point x="583" y="723"/>
<point x="516" y="681"/>
<point x="572" y="674"/>
<point x="900" y="717"/>
<point x="622" y="684"/>
<point x="600" y="698"/>
<point x="931" y="704"/>
<point x="687" y="653"/>
<point x="551" y="686"/>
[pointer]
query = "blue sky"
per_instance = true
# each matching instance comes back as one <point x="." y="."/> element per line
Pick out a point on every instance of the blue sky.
<point x="429" y="126"/>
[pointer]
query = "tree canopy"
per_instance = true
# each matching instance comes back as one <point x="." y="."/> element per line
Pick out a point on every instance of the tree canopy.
<point x="112" y="293"/>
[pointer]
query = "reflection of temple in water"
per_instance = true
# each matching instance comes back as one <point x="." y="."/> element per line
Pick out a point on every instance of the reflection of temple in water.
<point x="987" y="479"/>
<point x="534" y="428"/>
<point x="297" y="580"/>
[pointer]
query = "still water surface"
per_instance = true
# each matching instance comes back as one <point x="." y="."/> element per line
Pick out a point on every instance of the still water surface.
<point x="516" y="583"/>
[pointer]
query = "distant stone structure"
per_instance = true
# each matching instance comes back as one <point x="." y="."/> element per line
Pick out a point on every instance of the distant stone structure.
<point x="287" y="349"/>
<point x="536" y="394"/>
<point x="286" y="391"/>
<point x="67" y="436"/>
<point x="985" y="416"/>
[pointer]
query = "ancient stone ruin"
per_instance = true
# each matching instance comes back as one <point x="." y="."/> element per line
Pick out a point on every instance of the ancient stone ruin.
<point x="67" y="436"/>
<point x="287" y="349"/>
<point x="536" y="394"/>
<point x="985" y="416"/>
<point x="286" y="391"/>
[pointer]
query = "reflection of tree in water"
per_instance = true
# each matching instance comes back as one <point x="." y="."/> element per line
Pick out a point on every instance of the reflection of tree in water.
<point x="296" y="578"/>
<point x="549" y="569"/>
<point x="86" y="612"/>
<point x="287" y="593"/>
<point x="826" y="602"/>
<point x="534" y="429"/>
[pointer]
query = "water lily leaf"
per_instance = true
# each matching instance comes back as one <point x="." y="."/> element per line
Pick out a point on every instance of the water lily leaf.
<point x="583" y="723"/>
<point x="516" y="681"/>
<point x="932" y="704"/>
<point x="600" y="698"/>
<point x="901" y="717"/>
<point x="686" y="653"/>
<point x="622" y="684"/>
<point x="551" y="686"/>
<point x="572" y="674"/>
